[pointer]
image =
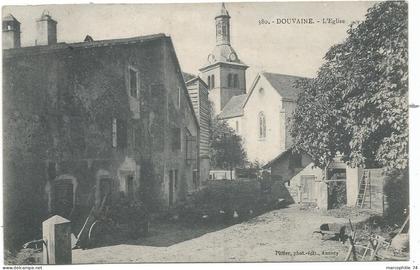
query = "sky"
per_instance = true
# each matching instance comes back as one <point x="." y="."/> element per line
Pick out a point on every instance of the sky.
<point x="294" y="49"/>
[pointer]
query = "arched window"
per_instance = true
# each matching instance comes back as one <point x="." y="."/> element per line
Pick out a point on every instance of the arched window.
<point x="262" y="125"/>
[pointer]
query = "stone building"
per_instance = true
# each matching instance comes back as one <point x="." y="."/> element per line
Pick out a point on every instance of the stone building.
<point x="89" y="119"/>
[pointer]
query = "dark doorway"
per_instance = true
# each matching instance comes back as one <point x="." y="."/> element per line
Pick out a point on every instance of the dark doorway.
<point x="130" y="187"/>
<point x="63" y="198"/>
<point x="337" y="192"/>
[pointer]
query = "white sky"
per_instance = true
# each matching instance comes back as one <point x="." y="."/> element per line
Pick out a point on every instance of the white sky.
<point x="289" y="49"/>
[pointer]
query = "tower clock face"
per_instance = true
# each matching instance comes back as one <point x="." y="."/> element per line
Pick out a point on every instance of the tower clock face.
<point x="233" y="57"/>
<point x="211" y="58"/>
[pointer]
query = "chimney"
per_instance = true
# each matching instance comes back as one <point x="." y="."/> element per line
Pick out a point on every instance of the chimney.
<point x="46" y="29"/>
<point x="11" y="32"/>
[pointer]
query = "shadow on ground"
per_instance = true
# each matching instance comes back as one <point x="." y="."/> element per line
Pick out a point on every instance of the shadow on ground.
<point x="167" y="233"/>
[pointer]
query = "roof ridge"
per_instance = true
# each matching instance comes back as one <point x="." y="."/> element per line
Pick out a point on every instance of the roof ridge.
<point x="90" y="44"/>
<point x="282" y="74"/>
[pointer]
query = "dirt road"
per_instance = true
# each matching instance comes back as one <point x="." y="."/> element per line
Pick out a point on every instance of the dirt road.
<point x="279" y="235"/>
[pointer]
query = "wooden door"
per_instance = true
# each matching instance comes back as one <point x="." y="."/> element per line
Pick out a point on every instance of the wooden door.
<point x="307" y="186"/>
<point x="63" y="198"/>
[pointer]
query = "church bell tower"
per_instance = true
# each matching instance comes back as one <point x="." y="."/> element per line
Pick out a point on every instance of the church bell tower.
<point x="224" y="72"/>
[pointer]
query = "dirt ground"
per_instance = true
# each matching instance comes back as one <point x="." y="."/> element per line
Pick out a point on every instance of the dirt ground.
<point x="280" y="235"/>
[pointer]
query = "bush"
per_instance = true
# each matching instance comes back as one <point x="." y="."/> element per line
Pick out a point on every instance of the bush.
<point x="396" y="190"/>
<point x="26" y="256"/>
<point x="219" y="201"/>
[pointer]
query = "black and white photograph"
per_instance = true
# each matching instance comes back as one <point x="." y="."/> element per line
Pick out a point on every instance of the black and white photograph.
<point x="206" y="132"/>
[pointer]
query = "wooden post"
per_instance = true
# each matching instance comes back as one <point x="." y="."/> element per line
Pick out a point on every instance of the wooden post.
<point x="56" y="235"/>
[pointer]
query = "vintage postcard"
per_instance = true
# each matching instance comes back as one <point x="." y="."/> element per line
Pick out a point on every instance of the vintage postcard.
<point x="205" y="132"/>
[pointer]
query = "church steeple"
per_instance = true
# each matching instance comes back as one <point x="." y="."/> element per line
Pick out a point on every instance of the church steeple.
<point x="222" y="26"/>
<point x="224" y="72"/>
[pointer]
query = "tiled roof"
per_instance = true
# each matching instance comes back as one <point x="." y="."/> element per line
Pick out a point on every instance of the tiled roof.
<point x="9" y="17"/>
<point x="234" y="107"/>
<point x="90" y="44"/>
<point x="284" y="84"/>
<point x="188" y="76"/>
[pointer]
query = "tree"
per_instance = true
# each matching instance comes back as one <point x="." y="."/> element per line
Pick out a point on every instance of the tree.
<point x="358" y="105"/>
<point x="226" y="149"/>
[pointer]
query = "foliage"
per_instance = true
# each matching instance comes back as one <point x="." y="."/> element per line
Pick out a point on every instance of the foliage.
<point x="226" y="150"/>
<point x="25" y="256"/>
<point x="357" y="105"/>
<point x="219" y="199"/>
<point x="396" y="190"/>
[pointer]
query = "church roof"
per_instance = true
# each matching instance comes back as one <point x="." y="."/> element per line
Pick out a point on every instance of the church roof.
<point x="225" y="53"/>
<point x="284" y="84"/>
<point x="234" y="107"/>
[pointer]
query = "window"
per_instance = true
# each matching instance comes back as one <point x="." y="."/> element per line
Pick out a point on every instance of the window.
<point x="114" y="132"/>
<point x="119" y="133"/>
<point x="210" y="81"/>
<point x="52" y="171"/>
<point x="195" y="178"/>
<point x="235" y="81"/>
<point x="224" y="29"/>
<point x="178" y="97"/>
<point x="230" y="80"/>
<point x="176" y="138"/>
<point x="190" y="146"/>
<point x="237" y="126"/>
<point x="262" y="125"/>
<point x="133" y="82"/>
<point x="133" y="137"/>
<point x="176" y="179"/>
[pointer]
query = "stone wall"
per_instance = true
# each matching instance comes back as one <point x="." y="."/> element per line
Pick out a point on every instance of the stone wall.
<point x="59" y="107"/>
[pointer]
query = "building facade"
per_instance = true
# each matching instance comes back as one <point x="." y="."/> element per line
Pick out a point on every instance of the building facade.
<point x="89" y="119"/>
<point x="198" y="92"/>
<point x="261" y="116"/>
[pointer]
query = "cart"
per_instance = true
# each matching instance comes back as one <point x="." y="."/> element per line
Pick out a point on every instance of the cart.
<point x="122" y="219"/>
